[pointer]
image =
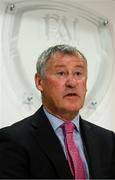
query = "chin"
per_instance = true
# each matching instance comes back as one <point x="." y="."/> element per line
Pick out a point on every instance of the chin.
<point x="73" y="108"/>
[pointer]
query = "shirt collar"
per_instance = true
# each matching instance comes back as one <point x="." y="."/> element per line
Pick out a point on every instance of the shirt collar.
<point x="57" y="122"/>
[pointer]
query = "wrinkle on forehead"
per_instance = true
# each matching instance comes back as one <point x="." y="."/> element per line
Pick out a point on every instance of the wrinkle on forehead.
<point x="57" y="59"/>
<point x="78" y="55"/>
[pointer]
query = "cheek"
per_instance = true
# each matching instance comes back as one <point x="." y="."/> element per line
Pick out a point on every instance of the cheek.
<point x="54" y="89"/>
<point x="82" y="86"/>
<point x="53" y="83"/>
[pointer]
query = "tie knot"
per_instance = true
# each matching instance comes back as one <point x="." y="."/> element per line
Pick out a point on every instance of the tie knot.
<point x="68" y="127"/>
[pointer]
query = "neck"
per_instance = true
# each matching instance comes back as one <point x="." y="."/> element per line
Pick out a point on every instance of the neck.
<point x="64" y="116"/>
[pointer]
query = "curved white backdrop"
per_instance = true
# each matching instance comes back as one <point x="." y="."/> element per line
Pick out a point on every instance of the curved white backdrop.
<point x="28" y="28"/>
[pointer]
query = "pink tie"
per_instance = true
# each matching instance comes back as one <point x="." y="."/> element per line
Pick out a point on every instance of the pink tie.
<point x="73" y="156"/>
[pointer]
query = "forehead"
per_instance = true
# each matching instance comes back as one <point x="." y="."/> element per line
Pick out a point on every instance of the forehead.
<point x="66" y="59"/>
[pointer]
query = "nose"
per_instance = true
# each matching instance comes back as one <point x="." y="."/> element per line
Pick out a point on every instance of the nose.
<point x="71" y="81"/>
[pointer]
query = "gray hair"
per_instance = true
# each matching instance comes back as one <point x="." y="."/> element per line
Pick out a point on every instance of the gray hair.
<point x="45" y="56"/>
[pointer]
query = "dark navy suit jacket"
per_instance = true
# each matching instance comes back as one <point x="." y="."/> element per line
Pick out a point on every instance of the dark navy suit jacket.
<point x="29" y="149"/>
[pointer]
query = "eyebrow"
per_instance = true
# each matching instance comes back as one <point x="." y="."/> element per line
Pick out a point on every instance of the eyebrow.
<point x="59" y="66"/>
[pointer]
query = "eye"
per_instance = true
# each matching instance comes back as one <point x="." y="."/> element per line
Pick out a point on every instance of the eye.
<point x="61" y="73"/>
<point x="78" y="73"/>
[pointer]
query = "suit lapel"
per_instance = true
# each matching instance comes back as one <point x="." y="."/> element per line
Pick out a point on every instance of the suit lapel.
<point x="48" y="141"/>
<point x="88" y="137"/>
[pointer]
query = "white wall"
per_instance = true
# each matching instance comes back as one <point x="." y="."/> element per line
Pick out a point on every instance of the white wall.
<point x="13" y="103"/>
<point x="105" y="113"/>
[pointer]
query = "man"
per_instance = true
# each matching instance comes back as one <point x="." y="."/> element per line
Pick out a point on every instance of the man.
<point x="38" y="146"/>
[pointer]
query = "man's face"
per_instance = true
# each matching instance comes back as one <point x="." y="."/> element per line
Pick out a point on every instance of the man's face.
<point x="64" y="86"/>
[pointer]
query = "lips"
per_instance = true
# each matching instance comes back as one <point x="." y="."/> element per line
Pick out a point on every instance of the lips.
<point x="70" y="95"/>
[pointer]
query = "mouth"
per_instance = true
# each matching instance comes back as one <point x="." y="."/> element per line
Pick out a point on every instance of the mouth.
<point x="71" y="95"/>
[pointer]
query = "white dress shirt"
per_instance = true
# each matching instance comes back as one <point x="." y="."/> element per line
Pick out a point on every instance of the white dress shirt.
<point x="56" y="124"/>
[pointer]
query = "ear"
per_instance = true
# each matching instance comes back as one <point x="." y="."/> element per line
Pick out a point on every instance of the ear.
<point x="38" y="82"/>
